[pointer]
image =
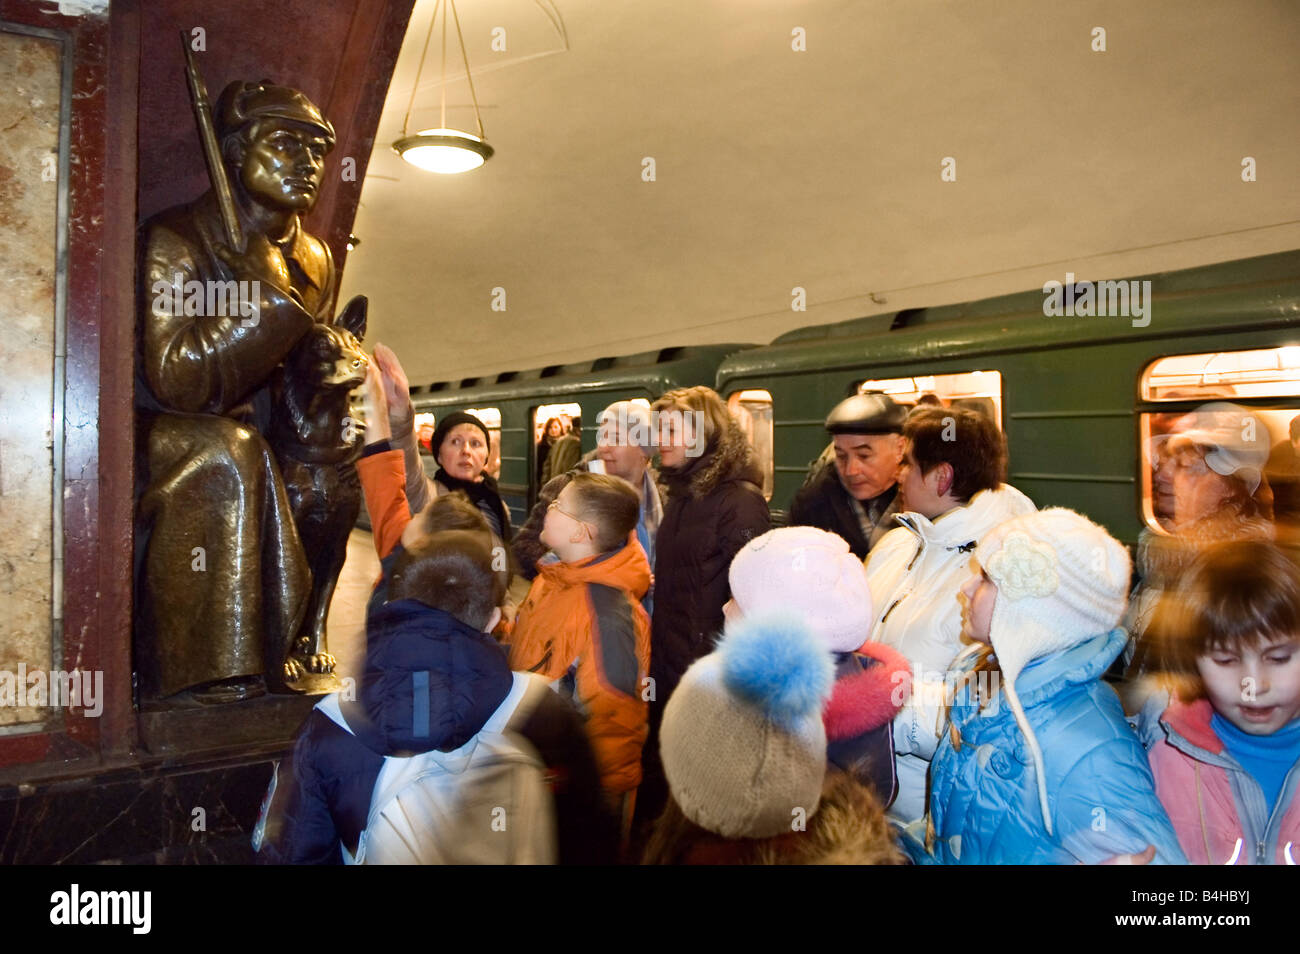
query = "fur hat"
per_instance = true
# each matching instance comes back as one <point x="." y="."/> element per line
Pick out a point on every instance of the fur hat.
<point x="742" y="741"/>
<point x="809" y="572"/>
<point x="1061" y="581"/>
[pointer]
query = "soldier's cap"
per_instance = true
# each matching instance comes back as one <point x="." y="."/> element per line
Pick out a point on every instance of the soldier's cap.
<point x="873" y="413"/>
<point x="240" y="103"/>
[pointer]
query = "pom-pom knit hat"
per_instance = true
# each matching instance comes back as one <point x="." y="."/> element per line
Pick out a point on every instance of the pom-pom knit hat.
<point x="742" y="740"/>
<point x="1061" y="581"/>
<point x="808" y="572"/>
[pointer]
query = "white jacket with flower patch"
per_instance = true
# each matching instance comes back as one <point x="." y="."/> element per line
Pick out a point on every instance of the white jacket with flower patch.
<point x="915" y="573"/>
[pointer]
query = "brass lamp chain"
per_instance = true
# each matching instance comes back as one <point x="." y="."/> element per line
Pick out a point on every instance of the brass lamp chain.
<point x="420" y="69"/>
<point x="478" y="116"/>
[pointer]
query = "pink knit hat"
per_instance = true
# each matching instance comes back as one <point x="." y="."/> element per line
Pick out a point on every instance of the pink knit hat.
<point x="811" y="573"/>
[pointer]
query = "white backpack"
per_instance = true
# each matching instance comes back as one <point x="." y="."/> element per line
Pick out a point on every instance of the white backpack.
<point x="486" y="803"/>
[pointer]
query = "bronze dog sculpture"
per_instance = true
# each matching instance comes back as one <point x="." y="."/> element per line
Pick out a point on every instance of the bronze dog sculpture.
<point x="316" y="444"/>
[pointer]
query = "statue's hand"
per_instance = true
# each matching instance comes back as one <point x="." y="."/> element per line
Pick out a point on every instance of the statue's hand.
<point x="259" y="262"/>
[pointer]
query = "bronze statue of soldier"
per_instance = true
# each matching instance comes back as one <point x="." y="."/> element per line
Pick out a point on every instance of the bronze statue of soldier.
<point x="223" y="584"/>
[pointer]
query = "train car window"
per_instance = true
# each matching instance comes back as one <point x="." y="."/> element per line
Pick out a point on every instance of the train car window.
<point x="752" y="409"/>
<point x="491" y="418"/>
<point x="424" y="425"/>
<point x="1209" y="457"/>
<point x="976" y="390"/>
<point x="1263" y="372"/>
<point x="551" y="424"/>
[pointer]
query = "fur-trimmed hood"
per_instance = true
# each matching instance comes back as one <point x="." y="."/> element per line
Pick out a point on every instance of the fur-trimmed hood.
<point x="727" y="457"/>
<point x="848" y="828"/>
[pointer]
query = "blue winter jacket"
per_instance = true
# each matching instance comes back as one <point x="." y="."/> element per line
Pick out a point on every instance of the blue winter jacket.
<point x="984" y="795"/>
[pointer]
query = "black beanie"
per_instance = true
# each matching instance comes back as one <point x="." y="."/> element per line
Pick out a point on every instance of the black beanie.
<point x="450" y="421"/>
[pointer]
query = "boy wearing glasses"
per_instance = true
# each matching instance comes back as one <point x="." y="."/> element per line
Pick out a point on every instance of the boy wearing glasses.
<point x="582" y="622"/>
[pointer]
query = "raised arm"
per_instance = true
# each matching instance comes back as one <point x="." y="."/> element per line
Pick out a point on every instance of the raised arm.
<point x="401" y="425"/>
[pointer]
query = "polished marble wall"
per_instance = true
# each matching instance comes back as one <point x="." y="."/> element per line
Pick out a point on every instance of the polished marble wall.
<point x="30" y="95"/>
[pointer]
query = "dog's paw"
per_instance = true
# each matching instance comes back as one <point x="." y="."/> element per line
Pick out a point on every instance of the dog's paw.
<point x="299" y="665"/>
<point x="321" y="662"/>
<point x="293" y="669"/>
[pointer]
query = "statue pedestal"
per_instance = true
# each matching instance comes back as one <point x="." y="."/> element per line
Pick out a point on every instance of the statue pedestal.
<point x="268" y="720"/>
<point x="191" y="794"/>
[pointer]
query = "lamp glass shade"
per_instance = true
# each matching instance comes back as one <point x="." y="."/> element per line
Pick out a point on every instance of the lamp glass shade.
<point x="445" y="151"/>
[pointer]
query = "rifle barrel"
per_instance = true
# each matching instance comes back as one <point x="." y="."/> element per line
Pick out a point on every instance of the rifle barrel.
<point x="211" y="148"/>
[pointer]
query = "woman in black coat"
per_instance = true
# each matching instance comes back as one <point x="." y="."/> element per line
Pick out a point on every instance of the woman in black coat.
<point x="715" y="506"/>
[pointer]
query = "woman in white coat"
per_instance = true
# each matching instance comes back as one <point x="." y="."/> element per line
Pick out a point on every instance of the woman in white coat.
<point x="953" y="494"/>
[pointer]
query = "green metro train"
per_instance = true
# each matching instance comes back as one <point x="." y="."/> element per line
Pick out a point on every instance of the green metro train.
<point x="1077" y="374"/>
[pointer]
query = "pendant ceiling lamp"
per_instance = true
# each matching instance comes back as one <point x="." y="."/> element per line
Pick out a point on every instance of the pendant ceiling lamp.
<point x="443" y="150"/>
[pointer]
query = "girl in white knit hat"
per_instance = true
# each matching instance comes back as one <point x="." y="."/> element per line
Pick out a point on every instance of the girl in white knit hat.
<point x="1038" y="765"/>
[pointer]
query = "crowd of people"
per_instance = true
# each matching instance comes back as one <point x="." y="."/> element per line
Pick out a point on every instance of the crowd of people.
<point x="923" y="668"/>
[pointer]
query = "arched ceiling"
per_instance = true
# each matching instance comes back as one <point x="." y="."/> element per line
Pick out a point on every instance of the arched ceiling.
<point x="817" y="169"/>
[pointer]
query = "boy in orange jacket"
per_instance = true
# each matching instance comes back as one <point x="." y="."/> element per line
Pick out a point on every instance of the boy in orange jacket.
<point x="583" y="623"/>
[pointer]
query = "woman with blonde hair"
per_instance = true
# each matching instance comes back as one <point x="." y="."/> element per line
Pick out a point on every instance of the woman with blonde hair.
<point x="714" y="507"/>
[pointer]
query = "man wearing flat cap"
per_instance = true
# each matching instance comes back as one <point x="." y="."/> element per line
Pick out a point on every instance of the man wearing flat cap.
<point x="222" y="581"/>
<point x="855" y="493"/>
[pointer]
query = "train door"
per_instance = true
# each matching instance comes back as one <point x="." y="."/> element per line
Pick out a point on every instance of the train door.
<point x="752" y="410"/>
<point x="554" y="425"/>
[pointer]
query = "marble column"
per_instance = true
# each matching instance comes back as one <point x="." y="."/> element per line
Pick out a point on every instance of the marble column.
<point x="30" y="73"/>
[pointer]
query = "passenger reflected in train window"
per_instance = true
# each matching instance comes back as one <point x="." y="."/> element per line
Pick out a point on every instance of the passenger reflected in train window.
<point x="1212" y="461"/>
<point x="1283" y="474"/>
<point x="853" y="491"/>
<point x="1161" y="425"/>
